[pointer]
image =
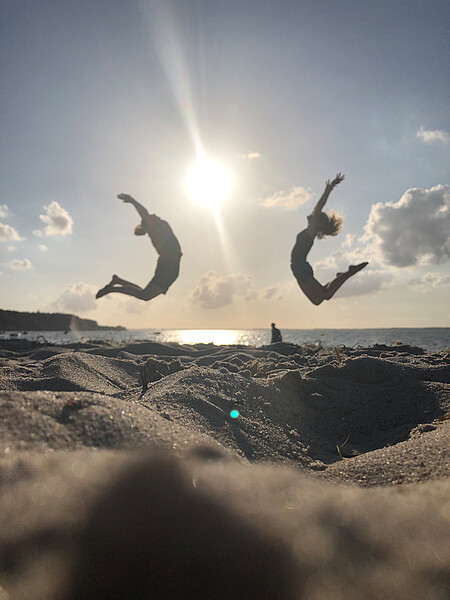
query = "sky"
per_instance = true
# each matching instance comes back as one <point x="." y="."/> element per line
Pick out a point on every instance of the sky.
<point x="99" y="98"/>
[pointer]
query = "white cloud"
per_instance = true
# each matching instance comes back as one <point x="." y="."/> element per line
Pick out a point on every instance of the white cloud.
<point x="20" y="265"/>
<point x="288" y="200"/>
<point x="118" y="304"/>
<point x="3" y="210"/>
<point x="251" y="295"/>
<point x="348" y="240"/>
<point x="8" y="234"/>
<point x="436" y="135"/>
<point x="270" y="293"/>
<point x="337" y="260"/>
<point x="76" y="297"/>
<point x="431" y="280"/>
<point x="132" y="307"/>
<point x="365" y="282"/>
<point x="12" y="248"/>
<point x="58" y="221"/>
<point x="412" y="231"/>
<point x="341" y="259"/>
<point x="251" y="155"/>
<point x="42" y="247"/>
<point x="215" y="292"/>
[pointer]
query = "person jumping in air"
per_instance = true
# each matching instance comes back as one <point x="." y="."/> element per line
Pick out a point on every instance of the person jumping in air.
<point x="168" y="265"/>
<point x="320" y="224"/>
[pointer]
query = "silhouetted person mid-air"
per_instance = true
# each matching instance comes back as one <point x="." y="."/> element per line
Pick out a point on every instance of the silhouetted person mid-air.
<point x="276" y="335"/>
<point x="168" y="248"/>
<point x="320" y="224"/>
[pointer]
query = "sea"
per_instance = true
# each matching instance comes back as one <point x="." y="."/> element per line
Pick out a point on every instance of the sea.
<point x="429" y="338"/>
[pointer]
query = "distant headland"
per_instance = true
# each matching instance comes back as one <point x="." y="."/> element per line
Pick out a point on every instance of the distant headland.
<point x="11" y="320"/>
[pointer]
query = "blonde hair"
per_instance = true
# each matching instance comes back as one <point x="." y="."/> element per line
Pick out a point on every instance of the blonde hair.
<point x="328" y="224"/>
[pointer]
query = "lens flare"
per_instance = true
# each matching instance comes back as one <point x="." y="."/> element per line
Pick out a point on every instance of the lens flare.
<point x="234" y="414"/>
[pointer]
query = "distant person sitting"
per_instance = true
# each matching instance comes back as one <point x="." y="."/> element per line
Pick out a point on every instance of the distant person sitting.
<point x="320" y="224"/>
<point x="276" y="335"/>
<point x="168" y="265"/>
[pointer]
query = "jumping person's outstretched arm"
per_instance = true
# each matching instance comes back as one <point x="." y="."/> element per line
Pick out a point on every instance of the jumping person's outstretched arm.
<point x="129" y="200"/>
<point x="329" y="186"/>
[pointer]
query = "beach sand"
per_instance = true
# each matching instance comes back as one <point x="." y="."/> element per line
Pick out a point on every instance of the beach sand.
<point x="123" y="474"/>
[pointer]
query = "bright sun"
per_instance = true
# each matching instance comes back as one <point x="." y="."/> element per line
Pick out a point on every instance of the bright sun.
<point x="208" y="182"/>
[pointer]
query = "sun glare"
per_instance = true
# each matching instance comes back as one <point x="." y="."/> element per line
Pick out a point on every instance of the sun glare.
<point x="208" y="182"/>
<point x="219" y="337"/>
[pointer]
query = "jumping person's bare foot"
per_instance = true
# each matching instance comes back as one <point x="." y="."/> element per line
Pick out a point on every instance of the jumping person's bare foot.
<point x="103" y="291"/>
<point x="126" y="198"/>
<point x="355" y="268"/>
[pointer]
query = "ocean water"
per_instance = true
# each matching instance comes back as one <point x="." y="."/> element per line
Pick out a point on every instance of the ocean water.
<point x="432" y="338"/>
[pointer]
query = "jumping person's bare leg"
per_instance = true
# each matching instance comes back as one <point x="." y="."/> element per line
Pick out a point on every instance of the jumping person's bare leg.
<point x="147" y="293"/>
<point x="313" y="290"/>
<point x="332" y="287"/>
<point x="103" y="291"/>
<point x="317" y="293"/>
<point x="118" y="280"/>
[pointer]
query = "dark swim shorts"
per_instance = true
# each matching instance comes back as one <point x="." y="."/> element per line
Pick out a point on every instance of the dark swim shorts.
<point x="167" y="270"/>
<point x="302" y="270"/>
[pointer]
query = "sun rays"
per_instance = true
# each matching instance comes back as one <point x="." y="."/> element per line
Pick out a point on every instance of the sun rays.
<point x="207" y="183"/>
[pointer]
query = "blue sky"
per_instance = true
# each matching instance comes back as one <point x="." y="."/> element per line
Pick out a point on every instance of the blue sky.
<point x="104" y="97"/>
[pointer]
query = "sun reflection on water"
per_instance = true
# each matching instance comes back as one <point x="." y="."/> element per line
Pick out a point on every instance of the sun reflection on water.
<point x="219" y="337"/>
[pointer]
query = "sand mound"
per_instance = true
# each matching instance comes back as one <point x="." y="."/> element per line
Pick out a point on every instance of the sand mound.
<point x="77" y="371"/>
<point x="424" y="456"/>
<point x="67" y="420"/>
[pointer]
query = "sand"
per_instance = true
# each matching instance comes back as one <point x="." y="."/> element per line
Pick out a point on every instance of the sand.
<point x="124" y="475"/>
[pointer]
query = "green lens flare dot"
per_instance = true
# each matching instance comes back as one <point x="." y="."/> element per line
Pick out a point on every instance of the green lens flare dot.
<point x="234" y="414"/>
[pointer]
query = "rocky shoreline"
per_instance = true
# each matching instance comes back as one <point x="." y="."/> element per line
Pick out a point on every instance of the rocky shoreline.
<point x="11" y="320"/>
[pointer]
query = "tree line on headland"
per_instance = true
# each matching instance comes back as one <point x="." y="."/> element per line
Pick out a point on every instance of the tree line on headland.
<point x="11" y="320"/>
